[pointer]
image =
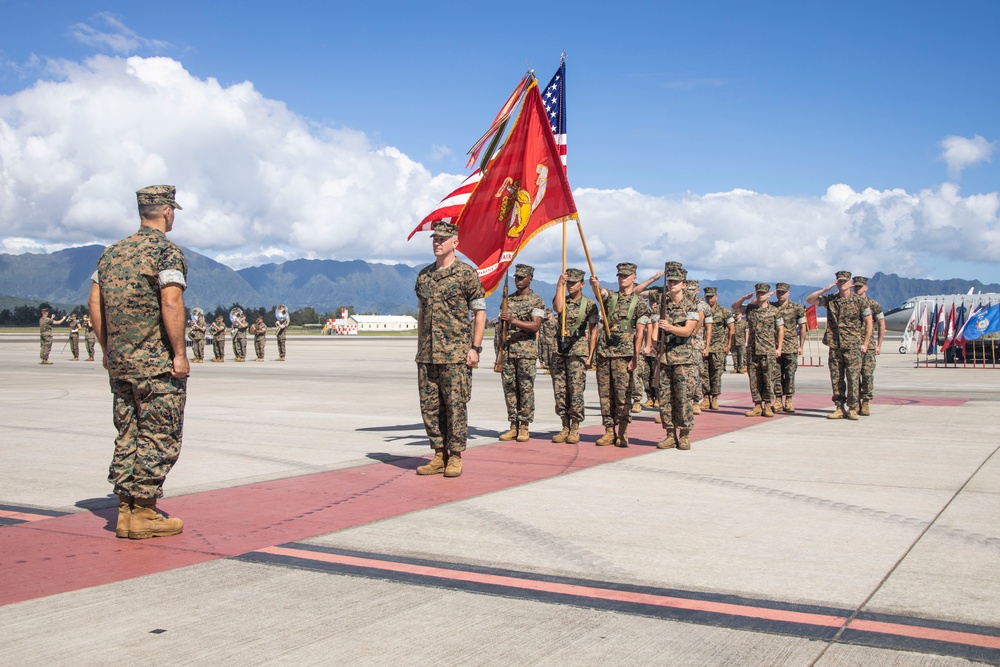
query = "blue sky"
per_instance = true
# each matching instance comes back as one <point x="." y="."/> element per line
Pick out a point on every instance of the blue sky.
<point x="749" y="140"/>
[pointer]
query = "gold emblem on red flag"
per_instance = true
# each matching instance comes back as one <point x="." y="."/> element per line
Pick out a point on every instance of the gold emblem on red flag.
<point x="516" y="205"/>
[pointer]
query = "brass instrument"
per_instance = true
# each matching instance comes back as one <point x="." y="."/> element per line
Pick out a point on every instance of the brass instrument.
<point x="195" y="314"/>
<point x="236" y="319"/>
<point x="281" y="316"/>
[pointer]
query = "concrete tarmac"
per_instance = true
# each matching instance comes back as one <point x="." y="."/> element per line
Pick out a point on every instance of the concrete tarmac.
<point x="308" y="539"/>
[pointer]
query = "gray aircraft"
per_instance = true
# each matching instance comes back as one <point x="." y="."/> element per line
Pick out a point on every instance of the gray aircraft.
<point x="904" y="319"/>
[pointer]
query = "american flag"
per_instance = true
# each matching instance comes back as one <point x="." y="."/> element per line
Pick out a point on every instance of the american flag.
<point x="554" y="99"/>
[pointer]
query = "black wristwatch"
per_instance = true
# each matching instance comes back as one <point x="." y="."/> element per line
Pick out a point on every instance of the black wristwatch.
<point x="478" y="349"/>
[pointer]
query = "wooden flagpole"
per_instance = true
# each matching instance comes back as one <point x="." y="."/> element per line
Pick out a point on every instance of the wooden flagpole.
<point x="597" y="290"/>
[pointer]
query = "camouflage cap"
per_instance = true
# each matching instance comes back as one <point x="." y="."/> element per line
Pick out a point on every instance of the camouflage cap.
<point x="44" y="306"/>
<point x="711" y="291"/>
<point x="762" y="288"/>
<point x="523" y="270"/>
<point x="692" y="284"/>
<point x="444" y="229"/>
<point x="655" y="291"/>
<point x="157" y="194"/>
<point x="843" y="275"/>
<point x="781" y="287"/>
<point x="574" y="275"/>
<point x="675" y="271"/>
<point x="860" y="280"/>
<point x="626" y="268"/>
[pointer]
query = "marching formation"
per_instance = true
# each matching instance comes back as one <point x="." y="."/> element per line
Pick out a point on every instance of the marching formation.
<point x="238" y="333"/>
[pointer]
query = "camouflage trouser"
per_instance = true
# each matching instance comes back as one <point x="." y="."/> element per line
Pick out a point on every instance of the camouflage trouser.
<point x="74" y="345"/>
<point x="281" y="345"/>
<point x="648" y="364"/>
<point x="637" y="381"/>
<point x="445" y="390"/>
<point x="695" y="392"/>
<point x="716" y="367"/>
<point x="739" y="353"/>
<point x="784" y="374"/>
<point x="868" y="375"/>
<point x="198" y="348"/>
<point x="569" y="381"/>
<point x="149" y="417"/>
<point x="219" y="348"/>
<point x="761" y="375"/>
<point x="240" y="346"/>
<point x="845" y="372"/>
<point x="91" y="341"/>
<point x="676" y="408"/>
<point x="614" y="386"/>
<point x="258" y="346"/>
<point x="46" y="342"/>
<point x="518" y="378"/>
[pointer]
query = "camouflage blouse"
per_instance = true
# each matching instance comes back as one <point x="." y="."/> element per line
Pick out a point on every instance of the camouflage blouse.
<point x="794" y="316"/>
<point x="45" y="325"/>
<point x="845" y="320"/>
<point x="521" y="343"/>
<point x="623" y="326"/>
<point x="763" y="323"/>
<point x="722" y="317"/>
<point x="130" y="274"/>
<point x="445" y="298"/>
<point x="677" y="350"/>
<point x="581" y="347"/>
<point x="740" y="333"/>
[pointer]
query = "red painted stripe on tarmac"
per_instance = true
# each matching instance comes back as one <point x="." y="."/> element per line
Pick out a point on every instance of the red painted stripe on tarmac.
<point x="920" y="632"/>
<point x="23" y="516"/>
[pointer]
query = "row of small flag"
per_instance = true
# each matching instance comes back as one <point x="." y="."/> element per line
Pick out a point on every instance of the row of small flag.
<point x="984" y="320"/>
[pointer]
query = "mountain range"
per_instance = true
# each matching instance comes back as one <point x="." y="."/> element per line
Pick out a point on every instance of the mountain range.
<point x="63" y="277"/>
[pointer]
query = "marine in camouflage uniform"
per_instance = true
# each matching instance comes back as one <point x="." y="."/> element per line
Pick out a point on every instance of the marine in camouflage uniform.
<point x="867" y="391"/>
<point x="218" y="333"/>
<point x="739" y="351"/>
<point x="794" y="316"/>
<point x="137" y="307"/>
<point x="525" y="310"/>
<point x="767" y="331"/>
<point x="89" y="337"/>
<point x="617" y="357"/>
<point x="74" y="337"/>
<point x="678" y="359"/>
<point x="547" y="339"/>
<point x="197" y="336"/>
<point x="282" y="333"/>
<point x="239" y="337"/>
<point x="571" y="356"/>
<point x="45" y="323"/>
<point x="696" y="378"/>
<point x="848" y="334"/>
<point x="259" y="331"/>
<point x="448" y="346"/>
<point x="647" y="362"/>
<point x="718" y="346"/>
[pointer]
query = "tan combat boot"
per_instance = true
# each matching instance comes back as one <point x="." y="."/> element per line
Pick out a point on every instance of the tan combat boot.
<point x="706" y="403"/>
<point x="146" y="522"/>
<point x="435" y="466"/>
<point x="509" y="434"/>
<point x="866" y="410"/>
<point x="714" y="403"/>
<point x="124" y="516"/>
<point x="670" y="441"/>
<point x="636" y="406"/>
<point x="650" y="403"/>
<point x="454" y="467"/>
<point x="563" y="434"/>
<point x="684" y="441"/>
<point x="789" y="408"/>
<point x="756" y="412"/>
<point x="657" y="418"/>
<point x="608" y="438"/>
<point x="776" y="406"/>
<point x="522" y="432"/>
<point x="836" y="414"/>
<point x="90" y="358"/>
<point x="852" y="414"/>
<point x="574" y="434"/>
<point x="621" y="440"/>
<point x="696" y="408"/>
<point x="766" y="410"/>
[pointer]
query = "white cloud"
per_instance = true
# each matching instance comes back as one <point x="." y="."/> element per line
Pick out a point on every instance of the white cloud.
<point x="259" y="184"/>
<point x="961" y="152"/>
<point x="112" y="34"/>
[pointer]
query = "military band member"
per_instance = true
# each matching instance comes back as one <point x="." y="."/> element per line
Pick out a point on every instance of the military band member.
<point x="867" y="390"/>
<point x="848" y="334"/>
<point x="618" y="355"/>
<point x="218" y="333"/>
<point x="239" y="336"/>
<point x="45" y="333"/>
<point x="718" y="346"/>
<point x="766" y="336"/>
<point x="739" y="352"/>
<point x="678" y="359"/>
<point x="572" y="355"/>
<point x="259" y="332"/>
<point x="794" y="316"/>
<point x="282" y="331"/>
<point x="74" y="337"/>
<point x="197" y="336"/>
<point x="448" y="346"/>
<point x="89" y="337"/>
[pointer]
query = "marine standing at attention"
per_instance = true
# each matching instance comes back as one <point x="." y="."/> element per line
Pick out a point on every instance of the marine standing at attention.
<point x="137" y="307"/>
<point x="448" y="346"/>
<point x="794" y="315"/>
<point x="739" y="343"/>
<point x="572" y="354"/>
<point x="867" y="390"/>
<point x="718" y="346"/>
<point x="45" y="333"/>
<point x="525" y="310"/>
<point x="767" y="333"/>
<point x="677" y="359"/>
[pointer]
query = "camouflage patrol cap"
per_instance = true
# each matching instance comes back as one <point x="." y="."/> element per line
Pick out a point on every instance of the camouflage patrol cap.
<point x="44" y="306"/>
<point x="444" y="229"/>
<point x="574" y="275"/>
<point x="523" y="270"/>
<point x="762" y="288"/>
<point x="692" y="284"/>
<point x="843" y="275"/>
<point x="781" y="287"/>
<point x="860" y="280"/>
<point x="675" y="271"/>
<point x="626" y="268"/>
<point x="711" y="291"/>
<point x="157" y="194"/>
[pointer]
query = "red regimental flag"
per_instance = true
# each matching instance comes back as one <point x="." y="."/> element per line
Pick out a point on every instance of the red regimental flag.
<point x="811" y="321"/>
<point x="523" y="191"/>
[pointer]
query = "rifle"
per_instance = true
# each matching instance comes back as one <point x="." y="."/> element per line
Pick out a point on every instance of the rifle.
<point x="501" y="334"/>
<point x="660" y="336"/>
